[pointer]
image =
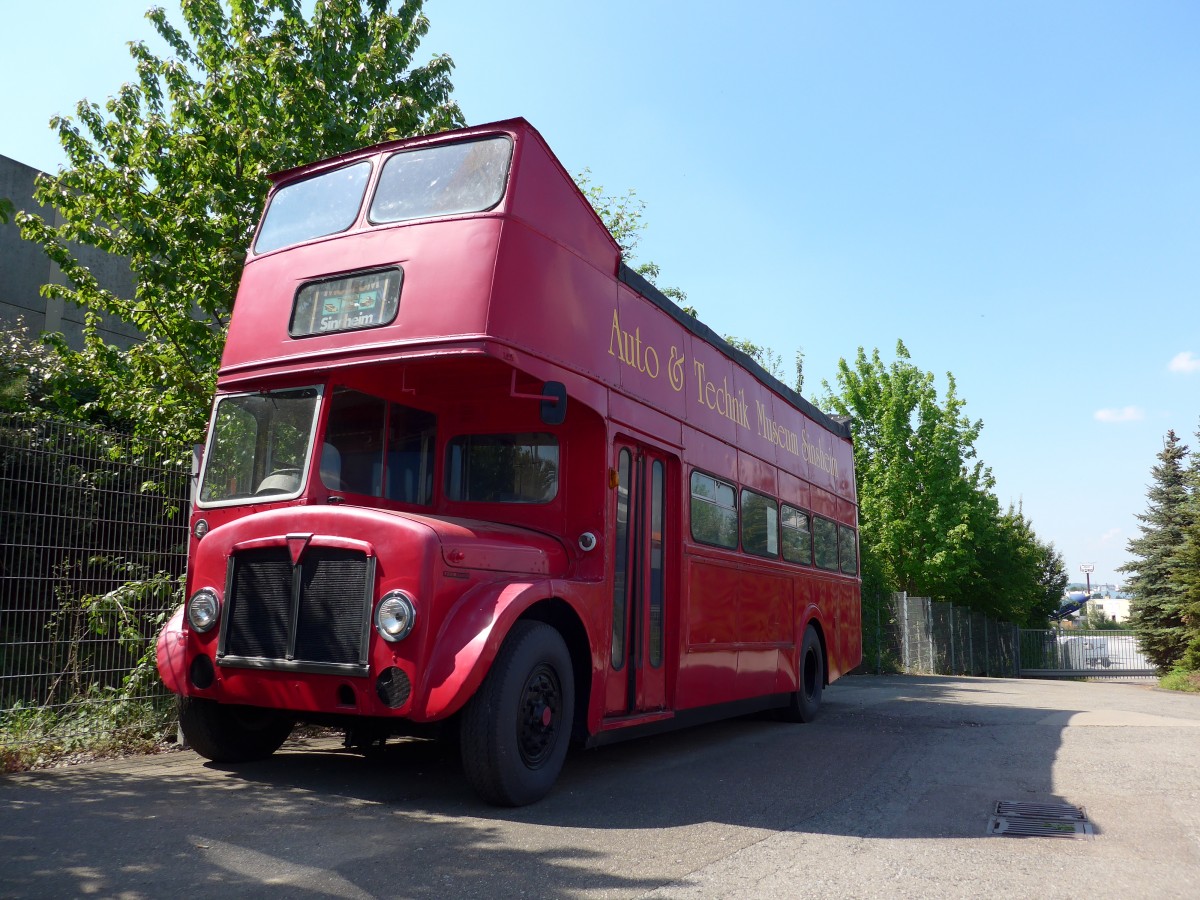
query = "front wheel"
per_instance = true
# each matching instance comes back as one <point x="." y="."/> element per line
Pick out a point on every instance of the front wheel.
<point x="514" y="732"/>
<point x="804" y="704"/>
<point x="228" y="734"/>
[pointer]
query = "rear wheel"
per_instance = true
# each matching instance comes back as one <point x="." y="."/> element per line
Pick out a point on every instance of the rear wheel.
<point x="226" y="734"/>
<point x="514" y="732"/>
<point x="804" y="704"/>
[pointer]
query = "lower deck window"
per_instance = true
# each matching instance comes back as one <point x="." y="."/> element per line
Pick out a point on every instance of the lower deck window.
<point x="378" y="448"/>
<point x="502" y="468"/>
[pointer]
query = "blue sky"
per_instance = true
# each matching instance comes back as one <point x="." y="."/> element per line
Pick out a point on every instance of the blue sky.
<point x="1012" y="189"/>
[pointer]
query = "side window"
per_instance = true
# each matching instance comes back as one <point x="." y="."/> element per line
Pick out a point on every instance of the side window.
<point x="378" y="448"/>
<point x="355" y="433"/>
<point x="714" y="511"/>
<point x="797" y="538"/>
<point x="849" y="549"/>
<point x="825" y="543"/>
<point x="502" y="468"/>
<point x="760" y="525"/>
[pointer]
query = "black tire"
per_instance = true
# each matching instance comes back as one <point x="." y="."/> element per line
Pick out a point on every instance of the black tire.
<point x="515" y="731"/>
<point x="805" y="703"/>
<point x="230" y="734"/>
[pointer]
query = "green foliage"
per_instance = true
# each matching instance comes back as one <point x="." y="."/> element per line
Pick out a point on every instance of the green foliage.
<point x="1159" y="598"/>
<point x="6" y="210"/>
<point x="1187" y="566"/>
<point x="171" y="172"/>
<point x="771" y="361"/>
<point x="622" y="216"/>
<point x="1181" y="678"/>
<point x="45" y="376"/>
<point x="929" y="522"/>
<point x="105" y="723"/>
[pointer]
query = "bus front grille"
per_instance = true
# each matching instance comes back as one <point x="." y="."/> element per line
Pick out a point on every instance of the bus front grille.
<point x="314" y="616"/>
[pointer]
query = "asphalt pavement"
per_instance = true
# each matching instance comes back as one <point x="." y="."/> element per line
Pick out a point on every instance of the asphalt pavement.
<point x="888" y="794"/>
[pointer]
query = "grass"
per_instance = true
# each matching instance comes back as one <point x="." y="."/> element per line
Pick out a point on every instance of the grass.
<point x="1181" y="680"/>
<point x="34" y="737"/>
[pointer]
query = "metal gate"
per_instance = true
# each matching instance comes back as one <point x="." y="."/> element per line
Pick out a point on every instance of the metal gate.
<point x="1071" y="653"/>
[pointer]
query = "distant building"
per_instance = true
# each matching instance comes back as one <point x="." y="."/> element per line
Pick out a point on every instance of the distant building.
<point x="1115" y="609"/>
<point x="24" y="268"/>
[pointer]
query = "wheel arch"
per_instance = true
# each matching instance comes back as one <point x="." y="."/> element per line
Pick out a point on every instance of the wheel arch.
<point x="562" y="617"/>
<point x="467" y="644"/>
<point x="816" y="625"/>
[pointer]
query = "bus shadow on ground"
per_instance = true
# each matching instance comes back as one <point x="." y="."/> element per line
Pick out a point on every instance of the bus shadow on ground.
<point x="888" y="758"/>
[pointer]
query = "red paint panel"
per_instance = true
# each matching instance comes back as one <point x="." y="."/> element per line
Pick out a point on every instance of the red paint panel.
<point x="794" y="491"/>
<point x="756" y="673"/>
<point x="764" y="608"/>
<point x="713" y="404"/>
<point x="545" y="196"/>
<point x="553" y="304"/>
<point x="756" y="474"/>
<point x="447" y="267"/>
<point x="706" y="677"/>
<point x="651" y="349"/>
<point x="713" y="456"/>
<point x="640" y="417"/>
<point x="712" y="604"/>
<point x="824" y="503"/>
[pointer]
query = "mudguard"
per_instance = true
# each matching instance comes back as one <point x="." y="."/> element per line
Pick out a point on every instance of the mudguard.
<point x="469" y="641"/>
<point x="172" y="645"/>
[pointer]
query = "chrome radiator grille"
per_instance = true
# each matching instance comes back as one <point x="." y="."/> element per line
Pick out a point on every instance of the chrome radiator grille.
<point x="314" y="616"/>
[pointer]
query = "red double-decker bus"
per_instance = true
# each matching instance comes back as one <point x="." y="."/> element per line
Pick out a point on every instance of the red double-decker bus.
<point x="465" y="467"/>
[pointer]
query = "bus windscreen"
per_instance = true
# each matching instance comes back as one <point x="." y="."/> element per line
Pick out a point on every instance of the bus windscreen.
<point x="324" y="204"/>
<point x="444" y="180"/>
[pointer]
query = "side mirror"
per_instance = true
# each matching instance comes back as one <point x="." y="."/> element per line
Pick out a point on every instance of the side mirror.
<point x="554" y="404"/>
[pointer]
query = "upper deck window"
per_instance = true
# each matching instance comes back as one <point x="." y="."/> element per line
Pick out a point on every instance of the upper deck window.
<point x="317" y="206"/>
<point x="442" y="180"/>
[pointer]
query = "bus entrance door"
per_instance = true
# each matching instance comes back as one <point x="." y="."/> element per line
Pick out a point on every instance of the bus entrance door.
<point x="637" y="672"/>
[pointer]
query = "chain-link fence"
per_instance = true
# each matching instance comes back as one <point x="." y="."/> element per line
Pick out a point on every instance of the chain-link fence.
<point x="93" y="536"/>
<point x="922" y="636"/>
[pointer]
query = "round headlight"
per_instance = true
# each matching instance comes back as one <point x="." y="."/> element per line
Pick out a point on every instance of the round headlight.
<point x="203" y="609"/>
<point x="395" y="616"/>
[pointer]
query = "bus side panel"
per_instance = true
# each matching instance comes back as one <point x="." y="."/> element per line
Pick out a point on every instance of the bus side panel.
<point x="708" y="664"/>
<point x="846" y="650"/>
<point x="764" y="618"/>
<point x="546" y="297"/>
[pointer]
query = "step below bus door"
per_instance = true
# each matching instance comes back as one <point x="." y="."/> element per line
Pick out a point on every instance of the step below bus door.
<point x="638" y="653"/>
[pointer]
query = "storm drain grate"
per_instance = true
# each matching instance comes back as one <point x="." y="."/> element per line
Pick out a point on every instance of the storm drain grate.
<point x="1040" y="820"/>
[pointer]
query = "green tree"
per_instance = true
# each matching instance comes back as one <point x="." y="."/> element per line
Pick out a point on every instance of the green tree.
<point x="171" y="172"/>
<point x="1052" y="578"/>
<point x="918" y="477"/>
<point x="766" y="357"/>
<point x="1156" y="612"/>
<point x="1187" y="566"/>
<point x="622" y="215"/>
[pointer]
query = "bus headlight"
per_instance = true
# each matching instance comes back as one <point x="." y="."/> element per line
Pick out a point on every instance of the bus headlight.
<point x="203" y="610"/>
<point x="395" y="616"/>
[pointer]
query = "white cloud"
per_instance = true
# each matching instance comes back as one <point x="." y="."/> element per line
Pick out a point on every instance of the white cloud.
<point x="1124" y="414"/>
<point x="1185" y="363"/>
<point x="1111" y="536"/>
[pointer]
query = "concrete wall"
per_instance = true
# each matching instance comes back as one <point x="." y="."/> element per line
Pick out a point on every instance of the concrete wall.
<point x="24" y="268"/>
